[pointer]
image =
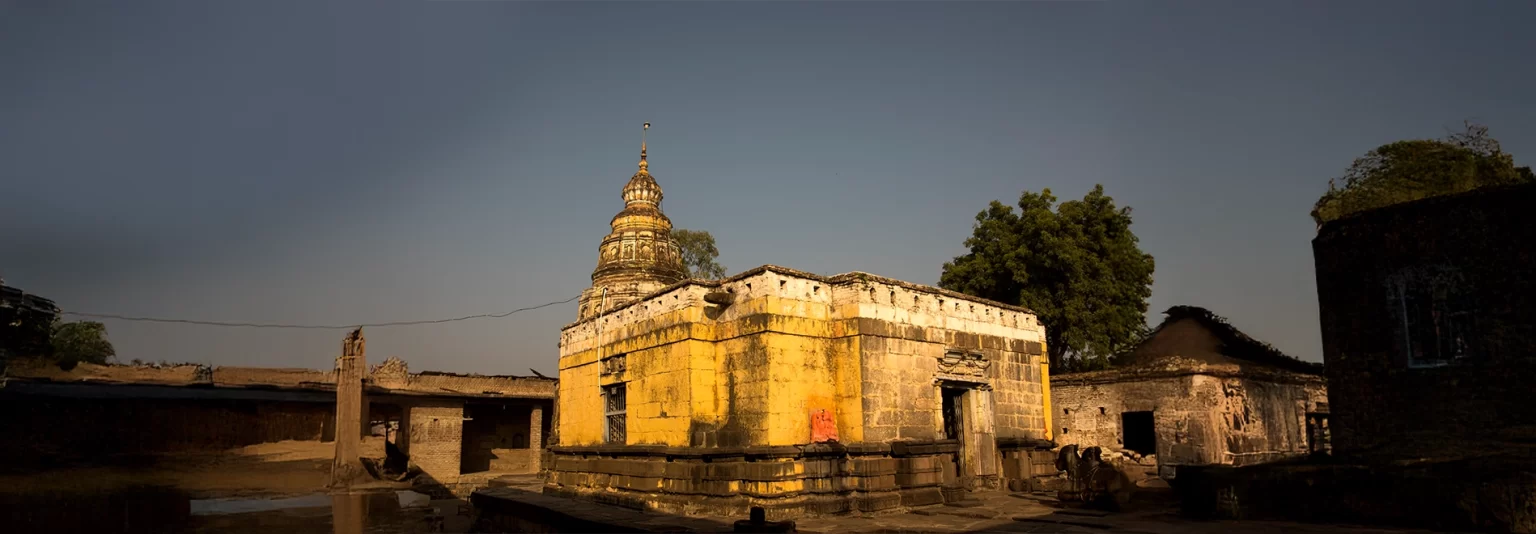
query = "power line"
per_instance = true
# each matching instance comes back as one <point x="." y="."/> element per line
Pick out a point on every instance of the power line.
<point x="311" y="326"/>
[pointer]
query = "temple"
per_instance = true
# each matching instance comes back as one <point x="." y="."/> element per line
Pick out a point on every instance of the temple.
<point x="639" y="256"/>
<point x="775" y="388"/>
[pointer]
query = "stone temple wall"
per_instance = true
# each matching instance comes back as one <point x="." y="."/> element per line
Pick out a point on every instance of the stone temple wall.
<point x="837" y="380"/>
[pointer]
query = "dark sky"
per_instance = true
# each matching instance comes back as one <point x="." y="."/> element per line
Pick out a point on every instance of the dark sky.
<point x="349" y="162"/>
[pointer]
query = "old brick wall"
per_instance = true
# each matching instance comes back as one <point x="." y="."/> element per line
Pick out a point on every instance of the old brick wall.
<point x="40" y="427"/>
<point x="1198" y="419"/>
<point x="436" y="431"/>
<point x="1380" y="407"/>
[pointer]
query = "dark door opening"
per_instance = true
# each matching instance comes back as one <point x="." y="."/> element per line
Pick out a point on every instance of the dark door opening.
<point x="1139" y="433"/>
<point x="954" y="426"/>
<point x="953" y="411"/>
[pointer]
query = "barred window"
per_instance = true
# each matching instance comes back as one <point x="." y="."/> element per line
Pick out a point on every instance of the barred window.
<point x="614" y="406"/>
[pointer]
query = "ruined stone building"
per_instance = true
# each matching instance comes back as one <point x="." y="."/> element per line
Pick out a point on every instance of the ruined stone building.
<point x="1429" y="324"/>
<point x="1196" y="392"/>
<point x="460" y="430"/>
<point x="25" y="323"/>
<point x="800" y="393"/>
<point x="1428" y="313"/>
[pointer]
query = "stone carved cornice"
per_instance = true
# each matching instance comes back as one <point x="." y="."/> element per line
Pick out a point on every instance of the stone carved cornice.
<point x="964" y="367"/>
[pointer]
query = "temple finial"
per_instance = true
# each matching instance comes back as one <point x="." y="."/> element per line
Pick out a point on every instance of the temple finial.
<point x="643" y="129"/>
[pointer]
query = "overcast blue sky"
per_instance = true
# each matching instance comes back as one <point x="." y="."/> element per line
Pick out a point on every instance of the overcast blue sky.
<point x="348" y="162"/>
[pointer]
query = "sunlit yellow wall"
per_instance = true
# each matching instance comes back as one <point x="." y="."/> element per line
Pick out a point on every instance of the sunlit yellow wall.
<point x="659" y="357"/>
<point x="580" y="405"/>
<point x="751" y="373"/>
<point x="1045" y="394"/>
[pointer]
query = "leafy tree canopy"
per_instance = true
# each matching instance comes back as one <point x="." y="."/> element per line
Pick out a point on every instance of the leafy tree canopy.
<point x="83" y="341"/>
<point x="1405" y="171"/>
<point x="1076" y="265"/>
<point x="699" y="254"/>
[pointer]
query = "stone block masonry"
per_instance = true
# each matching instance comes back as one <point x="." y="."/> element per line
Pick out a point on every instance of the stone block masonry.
<point x="1197" y="419"/>
<point x="1428" y="314"/>
<point x="747" y="366"/>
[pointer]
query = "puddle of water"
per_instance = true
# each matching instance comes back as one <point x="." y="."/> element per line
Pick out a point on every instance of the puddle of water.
<point x="165" y="510"/>
<point x="240" y="506"/>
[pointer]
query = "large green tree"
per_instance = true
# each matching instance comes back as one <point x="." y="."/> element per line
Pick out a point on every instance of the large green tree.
<point x="82" y="341"/>
<point x="1076" y="265"/>
<point x="1405" y="171"/>
<point x="699" y="254"/>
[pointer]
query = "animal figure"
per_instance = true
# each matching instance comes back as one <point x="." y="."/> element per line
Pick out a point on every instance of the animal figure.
<point x="1091" y="480"/>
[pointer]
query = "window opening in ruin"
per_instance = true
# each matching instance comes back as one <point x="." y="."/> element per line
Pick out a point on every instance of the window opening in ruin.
<point x="953" y="412"/>
<point x="1319" y="440"/>
<point x="1436" y="316"/>
<point x="614" y="407"/>
<point x="1138" y="432"/>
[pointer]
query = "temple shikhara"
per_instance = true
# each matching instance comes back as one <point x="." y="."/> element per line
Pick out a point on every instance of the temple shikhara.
<point x="780" y="389"/>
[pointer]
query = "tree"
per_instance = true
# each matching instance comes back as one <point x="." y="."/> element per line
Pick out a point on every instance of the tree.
<point x="1078" y="267"/>
<point x="1405" y="171"/>
<point x="83" y="341"/>
<point x="699" y="254"/>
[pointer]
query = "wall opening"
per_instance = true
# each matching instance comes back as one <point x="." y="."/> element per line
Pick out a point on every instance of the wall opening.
<point x="954" y="417"/>
<point x="1436" y="315"/>
<point x="952" y="410"/>
<point x="384" y="421"/>
<point x="1138" y="432"/>
<point x="495" y="438"/>
<point x="1319" y="440"/>
<point x="615" y="407"/>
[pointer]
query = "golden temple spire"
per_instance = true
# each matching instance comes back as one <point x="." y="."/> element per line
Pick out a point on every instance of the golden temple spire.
<point x="647" y="126"/>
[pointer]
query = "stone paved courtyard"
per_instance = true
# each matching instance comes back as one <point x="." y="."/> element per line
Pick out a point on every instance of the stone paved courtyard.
<point x="994" y="511"/>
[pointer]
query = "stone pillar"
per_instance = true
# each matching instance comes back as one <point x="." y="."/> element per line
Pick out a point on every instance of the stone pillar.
<point x="350" y="368"/>
<point x="554" y="418"/>
<point x="536" y="436"/>
<point x="986" y="433"/>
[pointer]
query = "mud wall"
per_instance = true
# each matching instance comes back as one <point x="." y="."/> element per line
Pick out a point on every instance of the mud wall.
<point x="42" y="428"/>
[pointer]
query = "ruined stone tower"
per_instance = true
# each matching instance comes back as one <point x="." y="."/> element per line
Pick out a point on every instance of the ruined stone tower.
<point x="639" y="256"/>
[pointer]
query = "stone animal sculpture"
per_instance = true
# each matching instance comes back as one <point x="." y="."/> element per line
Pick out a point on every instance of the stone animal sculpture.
<point x="1091" y="480"/>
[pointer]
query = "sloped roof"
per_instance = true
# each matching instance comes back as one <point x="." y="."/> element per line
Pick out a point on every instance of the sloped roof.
<point x="1236" y="344"/>
<point x="11" y="297"/>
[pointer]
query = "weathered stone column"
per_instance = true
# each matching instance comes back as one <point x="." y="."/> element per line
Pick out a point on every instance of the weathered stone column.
<point x="554" y="418"/>
<point x="536" y="436"/>
<point x="350" y="368"/>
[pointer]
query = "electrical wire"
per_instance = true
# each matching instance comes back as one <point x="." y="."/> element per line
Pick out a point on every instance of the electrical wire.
<point x="312" y="327"/>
